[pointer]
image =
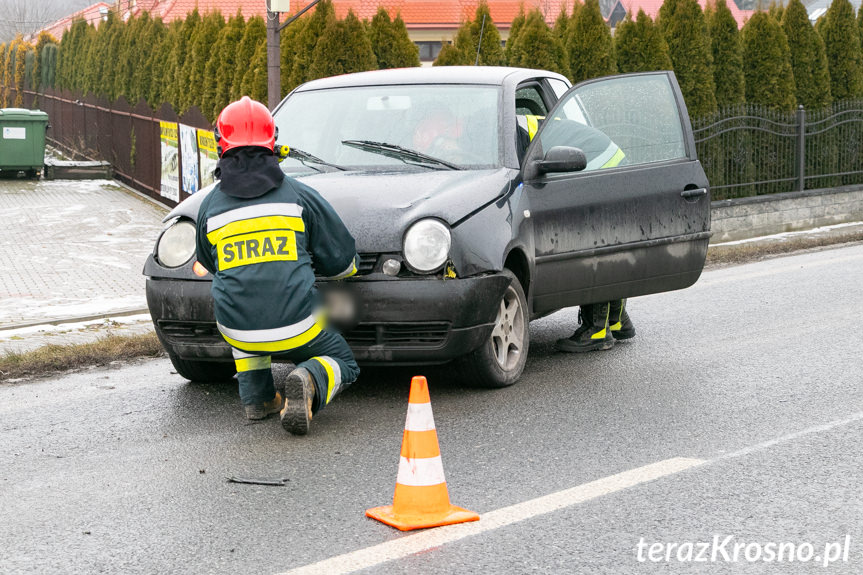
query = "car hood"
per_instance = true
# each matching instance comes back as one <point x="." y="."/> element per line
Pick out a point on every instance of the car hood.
<point x="377" y="207"/>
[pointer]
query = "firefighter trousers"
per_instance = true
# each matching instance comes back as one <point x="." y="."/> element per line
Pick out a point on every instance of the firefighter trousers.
<point x="328" y="358"/>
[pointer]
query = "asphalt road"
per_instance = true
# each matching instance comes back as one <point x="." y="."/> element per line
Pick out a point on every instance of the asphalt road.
<point x="736" y="411"/>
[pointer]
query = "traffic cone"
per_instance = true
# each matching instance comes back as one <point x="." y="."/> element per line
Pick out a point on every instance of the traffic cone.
<point x="421" y="498"/>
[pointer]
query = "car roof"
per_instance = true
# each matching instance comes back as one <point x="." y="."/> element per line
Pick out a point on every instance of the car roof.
<point x="490" y="75"/>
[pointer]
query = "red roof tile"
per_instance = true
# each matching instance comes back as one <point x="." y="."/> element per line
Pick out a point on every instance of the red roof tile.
<point x="91" y="14"/>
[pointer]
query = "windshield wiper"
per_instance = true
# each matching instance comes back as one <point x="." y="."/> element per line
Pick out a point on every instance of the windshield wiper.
<point x="406" y="155"/>
<point x="296" y="154"/>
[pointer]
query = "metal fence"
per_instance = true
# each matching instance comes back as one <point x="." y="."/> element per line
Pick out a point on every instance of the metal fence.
<point x="748" y="150"/>
<point x="128" y="137"/>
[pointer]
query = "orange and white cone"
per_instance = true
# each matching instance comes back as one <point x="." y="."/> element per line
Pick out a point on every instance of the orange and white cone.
<point x="421" y="498"/>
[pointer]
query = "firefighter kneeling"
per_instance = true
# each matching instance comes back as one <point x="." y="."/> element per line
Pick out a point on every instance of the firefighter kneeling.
<point x="256" y="232"/>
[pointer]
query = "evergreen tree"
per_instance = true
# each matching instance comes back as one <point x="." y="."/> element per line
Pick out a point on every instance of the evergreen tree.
<point x="20" y="70"/>
<point x="490" y="53"/>
<point x="343" y="48"/>
<point x="685" y="31"/>
<point x="206" y="35"/>
<point x="639" y="45"/>
<point x="776" y="9"/>
<point x="538" y="47"/>
<point x="179" y="61"/>
<point x="43" y="40"/>
<point x="134" y="52"/>
<point x="391" y="44"/>
<point x="49" y="65"/>
<point x="588" y="44"/>
<point x="303" y="59"/>
<point x="767" y="63"/>
<point x="254" y="34"/>
<point x="842" y="45"/>
<point x="727" y="55"/>
<point x="561" y="24"/>
<point x="290" y="43"/>
<point x="161" y="67"/>
<point x="461" y="52"/>
<point x="808" y="58"/>
<point x="220" y="70"/>
<point x="254" y="83"/>
<point x="112" y="62"/>
<point x="512" y="58"/>
<point x="144" y="75"/>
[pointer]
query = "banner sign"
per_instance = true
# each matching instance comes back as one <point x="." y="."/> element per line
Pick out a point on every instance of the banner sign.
<point x="208" y="157"/>
<point x="189" y="158"/>
<point x="170" y="161"/>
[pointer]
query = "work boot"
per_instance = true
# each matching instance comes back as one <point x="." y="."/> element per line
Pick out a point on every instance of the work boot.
<point x="262" y="410"/>
<point x="591" y="336"/>
<point x="299" y="397"/>
<point x="619" y="323"/>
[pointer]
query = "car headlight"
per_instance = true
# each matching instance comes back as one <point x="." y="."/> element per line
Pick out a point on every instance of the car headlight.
<point x="426" y="245"/>
<point x="177" y="244"/>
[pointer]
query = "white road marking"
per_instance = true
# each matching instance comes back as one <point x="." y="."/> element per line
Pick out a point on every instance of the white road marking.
<point x="424" y="540"/>
<point x="411" y="544"/>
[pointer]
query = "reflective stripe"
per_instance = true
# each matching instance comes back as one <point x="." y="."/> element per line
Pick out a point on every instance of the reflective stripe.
<point x="251" y="225"/>
<point x="599" y="335"/>
<point x="533" y="125"/>
<point x="615" y="160"/>
<point x="262" y="335"/>
<point x="420" y="472"/>
<point x="615" y="327"/>
<point x="248" y="212"/>
<point x="253" y="363"/>
<point x="241" y="354"/>
<point x="334" y="375"/>
<point x="273" y="340"/>
<point x="608" y="155"/>
<point x="349" y="271"/>
<point x="420" y="417"/>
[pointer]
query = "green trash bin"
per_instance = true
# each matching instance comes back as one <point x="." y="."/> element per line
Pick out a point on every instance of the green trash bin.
<point x="22" y="141"/>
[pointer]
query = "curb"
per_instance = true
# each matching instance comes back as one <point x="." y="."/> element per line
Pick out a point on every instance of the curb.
<point x="76" y="319"/>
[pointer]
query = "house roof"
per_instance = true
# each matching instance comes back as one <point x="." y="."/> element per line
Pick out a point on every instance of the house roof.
<point x="92" y="14"/>
<point x="651" y="8"/>
<point x="417" y="14"/>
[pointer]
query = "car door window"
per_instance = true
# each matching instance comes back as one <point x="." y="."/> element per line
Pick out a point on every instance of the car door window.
<point x="634" y="119"/>
<point x="528" y="101"/>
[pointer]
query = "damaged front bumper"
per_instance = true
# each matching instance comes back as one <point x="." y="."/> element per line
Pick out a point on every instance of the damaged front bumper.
<point x="397" y="320"/>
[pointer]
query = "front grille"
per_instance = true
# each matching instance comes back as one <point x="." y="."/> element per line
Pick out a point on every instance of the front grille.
<point x="367" y="264"/>
<point x="203" y="332"/>
<point x="407" y="335"/>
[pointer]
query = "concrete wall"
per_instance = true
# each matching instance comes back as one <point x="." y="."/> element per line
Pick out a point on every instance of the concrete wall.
<point x="745" y="218"/>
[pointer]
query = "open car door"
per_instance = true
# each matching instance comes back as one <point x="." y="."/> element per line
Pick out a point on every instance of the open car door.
<point x="636" y="219"/>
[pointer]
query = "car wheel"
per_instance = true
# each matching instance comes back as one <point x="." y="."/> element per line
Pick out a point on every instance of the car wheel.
<point x="499" y="361"/>
<point x="204" y="371"/>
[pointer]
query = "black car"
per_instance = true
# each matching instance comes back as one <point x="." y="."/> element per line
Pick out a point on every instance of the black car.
<point x="467" y="225"/>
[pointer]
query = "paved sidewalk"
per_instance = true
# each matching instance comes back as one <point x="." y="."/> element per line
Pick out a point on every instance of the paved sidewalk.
<point x="71" y="250"/>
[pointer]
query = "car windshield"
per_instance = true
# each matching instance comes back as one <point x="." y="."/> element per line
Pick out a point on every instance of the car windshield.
<point x="456" y="125"/>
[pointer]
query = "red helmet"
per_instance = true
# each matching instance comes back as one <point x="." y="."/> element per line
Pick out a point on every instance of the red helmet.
<point x="245" y="123"/>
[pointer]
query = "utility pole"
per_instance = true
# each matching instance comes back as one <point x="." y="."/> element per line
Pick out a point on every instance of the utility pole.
<point x="274" y="72"/>
<point x="274" y="27"/>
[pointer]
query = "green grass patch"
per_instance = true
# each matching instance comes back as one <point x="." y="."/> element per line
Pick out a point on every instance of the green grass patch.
<point x="51" y="358"/>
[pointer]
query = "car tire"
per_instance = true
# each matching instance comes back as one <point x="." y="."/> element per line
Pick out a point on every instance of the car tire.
<point x="499" y="361"/>
<point x="204" y="371"/>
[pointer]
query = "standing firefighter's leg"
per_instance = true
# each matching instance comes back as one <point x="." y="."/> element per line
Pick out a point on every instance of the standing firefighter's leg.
<point x="596" y="337"/>
<point x="257" y="392"/>
<point x="619" y="323"/>
<point x="325" y="367"/>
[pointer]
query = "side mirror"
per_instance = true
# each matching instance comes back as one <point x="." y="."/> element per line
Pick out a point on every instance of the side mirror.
<point x="561" y="159"/>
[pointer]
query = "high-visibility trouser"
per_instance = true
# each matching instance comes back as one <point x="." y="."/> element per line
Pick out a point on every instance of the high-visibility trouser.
<point x="327" y="357"/>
